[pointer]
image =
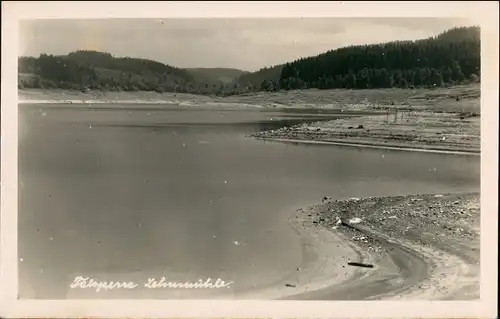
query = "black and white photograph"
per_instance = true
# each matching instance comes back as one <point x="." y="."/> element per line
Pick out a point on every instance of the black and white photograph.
<point x="249" y="158"/>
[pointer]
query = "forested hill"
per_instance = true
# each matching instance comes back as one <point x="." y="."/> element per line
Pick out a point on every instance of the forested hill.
<point x="449" y="58"/>
<point x="101" y="71"/>
<point x="452" y="57"/>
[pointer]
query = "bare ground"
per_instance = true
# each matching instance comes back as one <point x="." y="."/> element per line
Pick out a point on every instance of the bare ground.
<point x="418" y="130"/>
<point x="442" y="119"/>
<point x="439" y="99"/>
<point x="420" y="246"/>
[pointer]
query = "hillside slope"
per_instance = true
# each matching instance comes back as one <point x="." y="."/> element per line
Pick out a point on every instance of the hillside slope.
<point x="253" y="81"/>
<point x="93" y="70"/>
<point x="215" y="76"/>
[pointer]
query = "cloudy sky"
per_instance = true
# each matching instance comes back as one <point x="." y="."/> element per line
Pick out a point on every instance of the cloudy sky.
<point x="247" y="44"/>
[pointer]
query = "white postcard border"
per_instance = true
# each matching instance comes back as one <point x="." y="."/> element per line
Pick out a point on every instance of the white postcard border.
<point x="486" y="15"/>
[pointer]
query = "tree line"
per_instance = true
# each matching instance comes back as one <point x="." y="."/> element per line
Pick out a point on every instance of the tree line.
<point x="450" y="58"/>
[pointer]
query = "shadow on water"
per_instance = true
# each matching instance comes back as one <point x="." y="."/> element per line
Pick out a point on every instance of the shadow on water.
<point x="280" y="123"/>
<point x="262" y="125"/>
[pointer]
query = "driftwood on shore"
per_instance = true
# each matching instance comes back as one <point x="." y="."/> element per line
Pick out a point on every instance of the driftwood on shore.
<point x="360" y="265"/>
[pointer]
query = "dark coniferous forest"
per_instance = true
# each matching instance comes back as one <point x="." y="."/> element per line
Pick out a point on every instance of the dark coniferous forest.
<point x="450" y="58"/>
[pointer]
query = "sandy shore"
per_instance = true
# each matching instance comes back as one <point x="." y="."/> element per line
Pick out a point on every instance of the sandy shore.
<point x="324" y="262"/>
<point x="420" y="246"/>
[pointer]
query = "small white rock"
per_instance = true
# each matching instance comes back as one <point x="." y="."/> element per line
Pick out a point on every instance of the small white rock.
<point x="355" y="220"/>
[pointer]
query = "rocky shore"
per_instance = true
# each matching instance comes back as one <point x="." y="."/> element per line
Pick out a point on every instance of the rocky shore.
<point x="451" y="132"/>
<point x="443" y="229"/>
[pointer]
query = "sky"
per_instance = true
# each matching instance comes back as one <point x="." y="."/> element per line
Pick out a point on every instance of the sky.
<point x="246" y="44"/>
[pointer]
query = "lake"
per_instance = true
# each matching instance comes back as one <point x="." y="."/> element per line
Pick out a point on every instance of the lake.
<point x="143" y="191"/>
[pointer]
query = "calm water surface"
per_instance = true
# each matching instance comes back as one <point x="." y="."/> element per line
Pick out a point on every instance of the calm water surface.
<point x="128" y="194"/>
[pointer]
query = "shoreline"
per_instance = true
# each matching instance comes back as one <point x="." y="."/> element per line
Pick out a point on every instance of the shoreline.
<point x="447" y="133"/>
<point x="411" y="258"/>
<point x="375" y="146"/>
<point x="319" y="269"/>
